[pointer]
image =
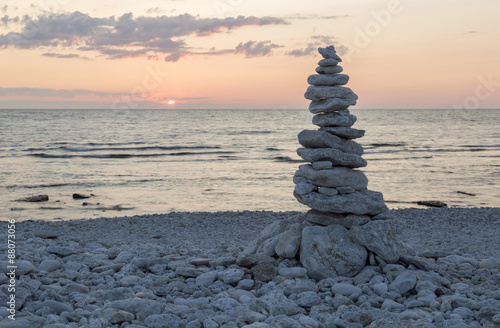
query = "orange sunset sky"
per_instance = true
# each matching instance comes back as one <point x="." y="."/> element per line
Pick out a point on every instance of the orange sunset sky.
<point x="246" y="53"/>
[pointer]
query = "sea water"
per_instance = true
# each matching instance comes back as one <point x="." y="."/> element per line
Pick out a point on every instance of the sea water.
<point x="156" y="161"/>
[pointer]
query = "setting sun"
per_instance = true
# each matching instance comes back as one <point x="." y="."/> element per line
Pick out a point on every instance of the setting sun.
<point x="171" y="102"/>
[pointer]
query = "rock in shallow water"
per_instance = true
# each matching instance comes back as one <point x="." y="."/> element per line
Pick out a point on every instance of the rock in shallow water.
<point x="327" y="252"/>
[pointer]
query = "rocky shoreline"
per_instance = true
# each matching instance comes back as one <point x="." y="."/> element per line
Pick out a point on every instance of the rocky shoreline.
<point x="189" y="270"/>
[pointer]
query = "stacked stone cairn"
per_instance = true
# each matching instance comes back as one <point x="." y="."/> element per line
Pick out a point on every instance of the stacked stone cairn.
<point x="348" y="226"/>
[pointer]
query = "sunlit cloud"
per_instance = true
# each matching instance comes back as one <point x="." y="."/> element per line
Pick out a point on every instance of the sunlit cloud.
<point x="255" y="49"/>
<point x="126" y="36"/>
<point x="54" y="55"/>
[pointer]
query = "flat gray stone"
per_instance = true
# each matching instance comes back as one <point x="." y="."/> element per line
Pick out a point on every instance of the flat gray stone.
<point x="380" y="237"/>
<point x="333" y="177"/>
<point x="337" y="157"/>
<point x="346" y="190"/>
<point x="322" y="165"/>
<point x="404" y="282"/>
<point x="328" y="62"/>
<point x="329" y="69"/>
<point x="344" y="132"/>
<point x="329" y="52"/>
<point x="327" y="252"/>
<point x="334" y="119"/>
<point x="345" y="289"/>
<point x="289" y="242"/>
<point x="328" y="191"/>
<point x="164" y="321"/>
<point x="360" y="202"/>
<point x="321" y="139"/>
<point x="58" y="306"/>
<point x="330" y="105"/>
<point x="346" y="220"/>
<point x="31" y="321"/>
<point x="49" y="265"/>
<point x="328" y="79"/>
<point x="318" y="93"/>
<point x="303" y="188"/>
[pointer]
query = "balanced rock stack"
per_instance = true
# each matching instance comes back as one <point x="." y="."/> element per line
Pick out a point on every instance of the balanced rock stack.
<point x="348" y="226"/>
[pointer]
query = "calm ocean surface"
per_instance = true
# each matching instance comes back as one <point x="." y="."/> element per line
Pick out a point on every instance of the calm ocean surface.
<point x="156" y="161"/>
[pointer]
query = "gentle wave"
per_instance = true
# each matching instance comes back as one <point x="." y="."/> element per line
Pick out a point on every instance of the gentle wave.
<point x="186" y="153"/>
<point x="85" y="149"/>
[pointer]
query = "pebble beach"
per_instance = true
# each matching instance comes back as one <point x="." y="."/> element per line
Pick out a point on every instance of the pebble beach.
<point x="190" y="270"/>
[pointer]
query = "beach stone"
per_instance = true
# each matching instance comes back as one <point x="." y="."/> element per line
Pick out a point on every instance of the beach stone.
<point x="231" y="276"/>
<point x="206" y="279"/>
<point x="164" y="321"/>
<point x="292" y="273"/>
<point x="137" y="305"/>
<point x="322" y="165"/>
<point x="490" y="263"/>
<point x="289" y="242"/>
<point x="328" y="191"/>
<point x="337" y="157"/>
<point x="115" y="316"/>
<point x="23" y="267"/>
<point x="378" y="236"/>
<point x="119" y="293"/>
<point x="308" y="299"/>
<point x="189" y="272"/>
<point x="321" y="139"/>
<point x="31" y="321"/>
<point x="327" y="252"/>
<point x="333" y="177"/>
<point x="264" y="271"/>
<point x="329" y="52"/>
<point x="318" y="93"/>
<point x="331" y="105"/>
<point x="391" y="305"/>
<point x="328" y="62"/>
<point x="404" y="282"/>
<point x="49" y="265"/>
<point x="279" y="304"/>
<point x="328" y="79"/>
<point x="346" y="220"/>
<point x="360" y="202"/>
<point x="329" y="69"/>
<point x="344" y="132"/>
<point x="58" y="306"/>
<point x="61" y="251"/>
<point x="345" y="289"/>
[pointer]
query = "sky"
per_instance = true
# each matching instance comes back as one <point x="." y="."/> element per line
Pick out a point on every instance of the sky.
<point x="128" y="54"/>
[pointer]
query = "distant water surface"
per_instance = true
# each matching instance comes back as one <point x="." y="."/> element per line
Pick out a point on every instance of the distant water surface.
<point x="155" y="161"/>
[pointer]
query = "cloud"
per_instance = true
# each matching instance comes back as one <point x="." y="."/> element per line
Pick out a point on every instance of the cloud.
<point x="124" y="36"/>
<point x="312" y="47"/>
<point x="255" y="49"/>
<point x="5" y="8"/>
<point x="51" y="54"/>
<point x="5" y="20"/>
